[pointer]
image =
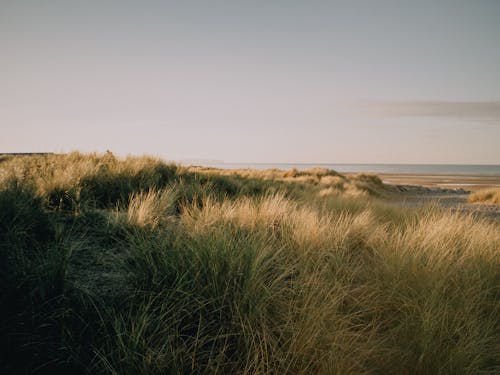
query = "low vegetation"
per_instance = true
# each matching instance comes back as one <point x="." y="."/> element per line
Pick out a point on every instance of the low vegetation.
<point x="487" y="196"/>
<point x="134" y="266"/>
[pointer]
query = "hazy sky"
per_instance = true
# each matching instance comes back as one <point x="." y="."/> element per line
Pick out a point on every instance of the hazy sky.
<point x="254" y="81"/>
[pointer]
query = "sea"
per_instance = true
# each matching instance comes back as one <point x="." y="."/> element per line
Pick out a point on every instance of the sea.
<point x="433" y="169"/>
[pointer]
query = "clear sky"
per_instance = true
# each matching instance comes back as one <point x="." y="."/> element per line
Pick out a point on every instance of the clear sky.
<point x="253" y="81"/>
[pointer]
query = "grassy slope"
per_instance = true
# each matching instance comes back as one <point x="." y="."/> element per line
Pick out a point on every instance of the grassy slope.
<point x="137" y="267"/>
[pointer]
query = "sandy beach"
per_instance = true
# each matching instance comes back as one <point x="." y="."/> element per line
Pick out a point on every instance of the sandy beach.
<point x="469" y="182"/>
<point x="448" y="190"/>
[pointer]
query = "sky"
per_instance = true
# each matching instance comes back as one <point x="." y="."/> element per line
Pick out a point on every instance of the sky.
<point x="253" y="81"/>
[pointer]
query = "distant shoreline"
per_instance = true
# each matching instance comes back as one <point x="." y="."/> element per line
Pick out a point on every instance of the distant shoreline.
<point x="25" y="153"/>
<point x="420" y="169"/>
<point x="445" y="181"/>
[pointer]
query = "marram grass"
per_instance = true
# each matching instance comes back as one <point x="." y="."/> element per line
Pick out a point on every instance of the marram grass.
<point x="132" y="266"/>
<point x="487" y="196"/>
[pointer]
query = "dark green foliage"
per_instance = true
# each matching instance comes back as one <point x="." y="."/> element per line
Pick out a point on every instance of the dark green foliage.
<point x="24" y="225"/>
<point x="32" y="273"/>
<point x="197" y="290"/>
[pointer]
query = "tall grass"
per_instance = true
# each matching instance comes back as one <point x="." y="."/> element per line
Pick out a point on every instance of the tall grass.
<point x="158" y="269"/>
<point x="488" y="196"/>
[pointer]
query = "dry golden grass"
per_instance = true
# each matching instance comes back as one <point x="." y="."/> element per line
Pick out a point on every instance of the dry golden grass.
<point x="331" y="181"/>
<point x="151" y="208"/>
<point x="354" y="274"/>
<point x="486" y="196"/>
<point x="62" y="171"/>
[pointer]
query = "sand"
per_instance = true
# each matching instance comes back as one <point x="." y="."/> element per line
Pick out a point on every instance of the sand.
<point x="449" y="190"/>
<point x="446" y="181"/>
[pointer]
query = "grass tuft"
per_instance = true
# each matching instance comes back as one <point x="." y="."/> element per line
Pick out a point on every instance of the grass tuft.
<point x="486" y="196"/>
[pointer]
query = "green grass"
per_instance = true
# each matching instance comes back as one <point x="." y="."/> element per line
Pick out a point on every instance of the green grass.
<point x="134" y="266"/>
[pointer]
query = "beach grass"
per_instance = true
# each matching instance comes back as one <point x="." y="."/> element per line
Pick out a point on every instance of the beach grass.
<point x="487" y="196"/>
<point x="135" y="266"/>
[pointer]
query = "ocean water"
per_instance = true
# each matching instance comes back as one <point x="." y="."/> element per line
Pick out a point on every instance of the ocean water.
<point x="432" y="169"/>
